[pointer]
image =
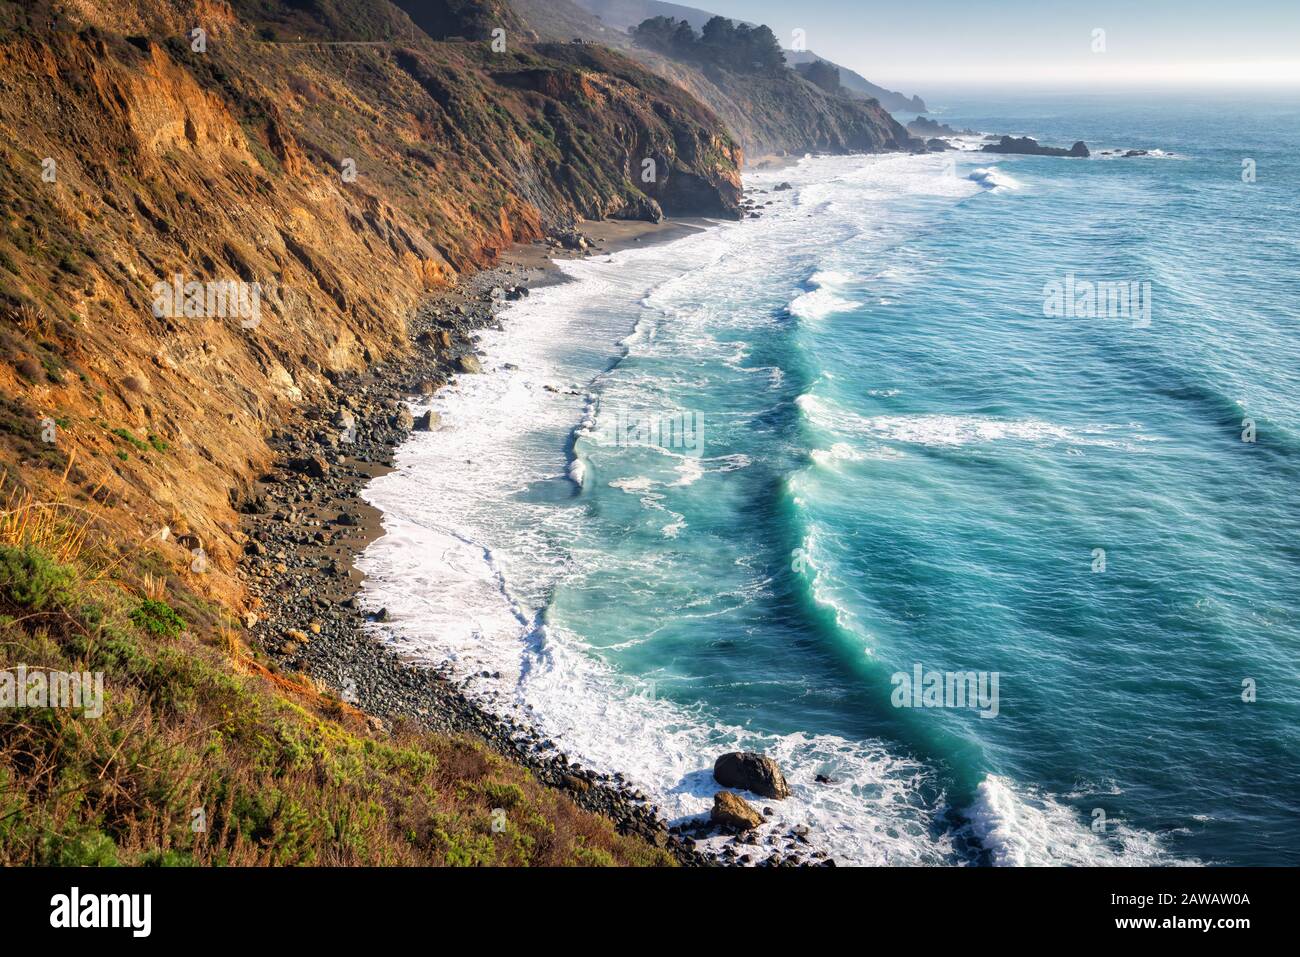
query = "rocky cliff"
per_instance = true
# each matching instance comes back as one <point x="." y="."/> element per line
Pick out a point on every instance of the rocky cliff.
<point x="217" y="221"/>
<point x="785" y="114"/>
<point x="332" y="158"/>
<point x="777" y="112"/>
<point x="614" y="16"/>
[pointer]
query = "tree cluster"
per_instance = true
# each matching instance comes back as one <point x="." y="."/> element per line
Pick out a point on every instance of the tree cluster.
<point x="822" y="74"/>
<point x="737" y="47"/>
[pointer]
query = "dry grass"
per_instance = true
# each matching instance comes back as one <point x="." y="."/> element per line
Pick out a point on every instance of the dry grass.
<point x="153" y="586"/>
<point x="56" y="526"/>
<point x="33" y="321"/>
<point x="279" y="769"/>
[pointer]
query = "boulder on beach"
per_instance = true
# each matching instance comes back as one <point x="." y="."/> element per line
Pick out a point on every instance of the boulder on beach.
<point x="572" y="239"/>
<point x="428" y="422"/>
<point x="468" y="364"/>
<point x="313" y="466"/>
<point x="732" y="810"/>
<point x="751" y="772"/>
<point x="643" y="208"/>
<point x="574" y="783"/>
<point x="403" y="419"/>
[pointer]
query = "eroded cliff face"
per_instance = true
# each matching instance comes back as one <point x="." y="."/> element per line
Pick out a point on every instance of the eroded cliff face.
<point x="785" y="114"/>
<point x="338" y="180"/>
<point x="777" y="113"/>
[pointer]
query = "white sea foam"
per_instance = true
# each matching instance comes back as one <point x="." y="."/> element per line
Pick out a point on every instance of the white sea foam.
<point x="839" y="452"/>
<point x="993" y="178"/>
<point x="465" y="573"/>
<point x="824" y="298"/>
<point x="820" y="303"/>
<point x="830" y="279"/>
<point x="578" y="472"/>
<point x="1027" y="828"/>
<point x="870" y="814"/>
<point x="469" y="561"/>
<point x="937" y="430"/>
<point x="808" y="561"/>
<point x="633" y="485"/>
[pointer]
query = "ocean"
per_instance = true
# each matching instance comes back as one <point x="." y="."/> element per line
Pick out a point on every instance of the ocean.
<point x="999" y="571"/>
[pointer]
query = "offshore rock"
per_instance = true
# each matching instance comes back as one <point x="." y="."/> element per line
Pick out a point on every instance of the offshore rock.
<point x="751" y="772"/>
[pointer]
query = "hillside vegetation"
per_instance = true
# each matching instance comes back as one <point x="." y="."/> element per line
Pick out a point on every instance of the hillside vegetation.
<point x="201" y="756"/>
<point x="345" y="180"/>
<point x="348" y="161"/>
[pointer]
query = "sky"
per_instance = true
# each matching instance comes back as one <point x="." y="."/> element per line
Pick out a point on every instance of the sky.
<point x="1145" y="43"/>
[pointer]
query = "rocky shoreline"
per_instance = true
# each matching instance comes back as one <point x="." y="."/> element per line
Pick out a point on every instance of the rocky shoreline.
<point x="307" y="523"/>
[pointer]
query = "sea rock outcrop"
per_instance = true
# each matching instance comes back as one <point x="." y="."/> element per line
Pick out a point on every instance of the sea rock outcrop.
<point x="751" y="772"/>
<point x="925" y="127"/>
<point x="1028" y="146"/>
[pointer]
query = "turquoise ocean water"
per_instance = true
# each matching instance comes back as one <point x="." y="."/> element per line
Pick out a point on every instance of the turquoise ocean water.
<point x="895" y="460"/>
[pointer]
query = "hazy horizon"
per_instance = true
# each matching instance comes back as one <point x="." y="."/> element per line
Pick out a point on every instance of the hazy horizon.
<point x="937" y="43"/>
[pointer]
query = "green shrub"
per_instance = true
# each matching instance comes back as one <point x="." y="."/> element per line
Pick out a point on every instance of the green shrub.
<point x="281" y="781"/>
<point x="500" y="794"/>
<point x="128" y="437"/>
<point x="30" y="579"/>
<point x="592" y="857"/>
<point x="158" y="618"/>
<point x="87" y="849"/>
